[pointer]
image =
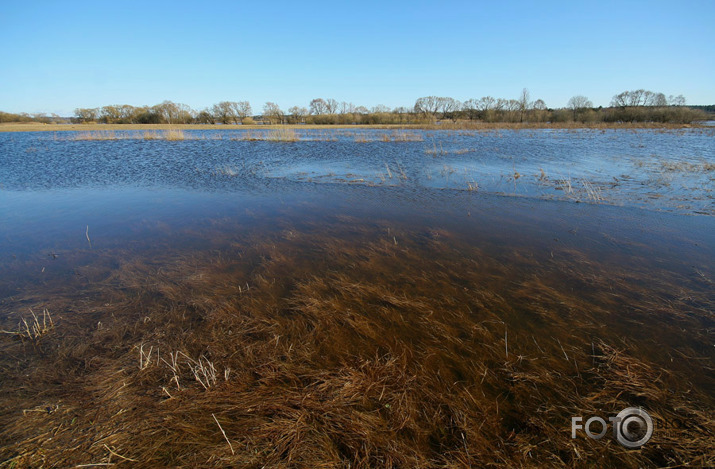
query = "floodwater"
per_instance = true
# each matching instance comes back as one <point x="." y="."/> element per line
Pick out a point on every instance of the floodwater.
<point x="490" y="286"/>
<point x="655" y="169"/>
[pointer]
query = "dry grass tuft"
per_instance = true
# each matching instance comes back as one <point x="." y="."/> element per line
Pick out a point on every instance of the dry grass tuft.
<point x="97" y="135"/>
<point x="405" y="136"/>
<point x="174" y="134"/>
<point x="34" y="329"/>
<point x="283" y="134"/>
<point x="169" y="134"/>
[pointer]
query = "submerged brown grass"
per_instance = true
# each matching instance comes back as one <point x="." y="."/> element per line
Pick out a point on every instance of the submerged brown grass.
<point x="34" y="328"/>
<point x="381" y="348"/>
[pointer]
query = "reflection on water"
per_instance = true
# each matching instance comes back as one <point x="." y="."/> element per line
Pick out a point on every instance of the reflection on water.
<point x="195" y="307"/>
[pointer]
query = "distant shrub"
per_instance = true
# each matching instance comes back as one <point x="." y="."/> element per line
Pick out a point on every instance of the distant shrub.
<point x="665" y="114"/>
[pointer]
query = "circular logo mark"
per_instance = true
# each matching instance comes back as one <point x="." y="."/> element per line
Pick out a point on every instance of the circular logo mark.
<point x="633" y="427"/>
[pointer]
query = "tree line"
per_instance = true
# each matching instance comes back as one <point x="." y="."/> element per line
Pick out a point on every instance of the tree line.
<point x="628" y="106"/>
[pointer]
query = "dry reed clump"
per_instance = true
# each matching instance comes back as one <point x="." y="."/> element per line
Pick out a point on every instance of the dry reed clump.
<point x="97" y="135"/>
<point x="283" y="134"/>
<point x="168" y="134"/>
<point x="686" y="167"/>
<point x="248" y="135"/>
<point x="434" y="151"/>
<point x="363" y="138"/>
<point x="325" y="136"/>
<point x="404" y="136"/>
<point x="34" y="329"/>
<point x="174" y="134"/>
<point x="407" y="350"/>
<point x="401" y="135"/>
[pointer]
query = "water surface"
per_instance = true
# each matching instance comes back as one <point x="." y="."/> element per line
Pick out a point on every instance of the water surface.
<point x="441" y="298"/>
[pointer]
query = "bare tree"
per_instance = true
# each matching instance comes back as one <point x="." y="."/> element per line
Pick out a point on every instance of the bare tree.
<point x="512" y="105"/>
<point x="620" y="100"/>
<point x="186" y="114"/>
<point x="298" y="113"/>
<point x="629" y="98"/>
<point x="523" y="104"/>
<point x="273" y="113"/>
<point x="174" y="113"/>
<point x="676" y="100"/>
<point x="639" y="98"/>
<point x="658" y="99"/>
<point x="427" y="105"/>
<point x="347" y="108"/>
<point x="331" y="106"/>
<point x="539" y="105"/>
<point x="471" y="107"/>
<point x="228" y="112"/>
<point x="240" y="110"/>
<point x="318" y="106"/>
<point x="447" y="106"/>
<point x="578" y="103"/>
<point x="205" y="117"/>
<point x="86" y="114"/>
<point x="117" y="113"/>
<point x="222" y="112"/>
<point x="167" y="110"/>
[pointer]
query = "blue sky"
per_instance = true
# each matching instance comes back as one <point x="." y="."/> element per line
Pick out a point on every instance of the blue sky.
<point x="59" y="55"/>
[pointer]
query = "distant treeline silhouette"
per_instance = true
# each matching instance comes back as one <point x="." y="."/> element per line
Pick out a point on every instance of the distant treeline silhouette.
<point x="628" y="106"/>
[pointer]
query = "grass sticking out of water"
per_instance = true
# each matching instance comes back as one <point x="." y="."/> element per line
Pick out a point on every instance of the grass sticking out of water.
<point x="168" y="134"/>
<point x="174" y="134"/>
<point x="97" y="135"/>
<point x="33" y="329"/>
<point x="406" y="136"/>
<point x="283" y="134"/>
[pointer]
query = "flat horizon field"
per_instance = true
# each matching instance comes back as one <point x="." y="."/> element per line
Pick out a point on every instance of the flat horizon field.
<point x="446" y="125"/>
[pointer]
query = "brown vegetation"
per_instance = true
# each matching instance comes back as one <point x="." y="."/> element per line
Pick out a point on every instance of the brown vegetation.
<point x="359" y="347"/>
<point x="458" y="125"/>
<point x="628" y="106"/>
<point x="166" y="134"/>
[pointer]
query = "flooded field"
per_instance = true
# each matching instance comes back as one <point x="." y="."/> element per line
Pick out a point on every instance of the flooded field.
<point x="355" y="298"/>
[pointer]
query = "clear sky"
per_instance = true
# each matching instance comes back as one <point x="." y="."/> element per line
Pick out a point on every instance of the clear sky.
<point x="59" y="55"/>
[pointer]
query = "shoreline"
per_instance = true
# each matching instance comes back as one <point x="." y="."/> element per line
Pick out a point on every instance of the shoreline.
<point x="465" y="125"/>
